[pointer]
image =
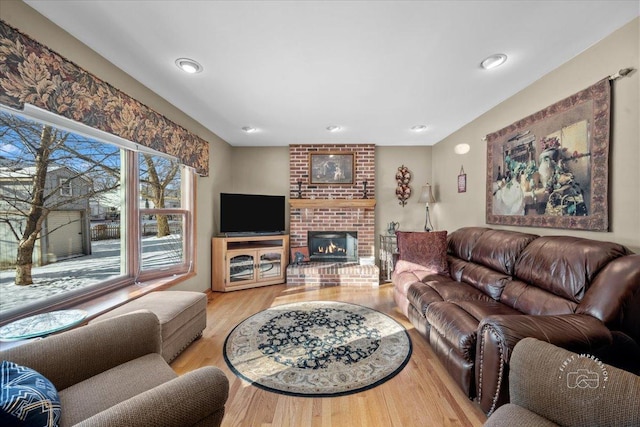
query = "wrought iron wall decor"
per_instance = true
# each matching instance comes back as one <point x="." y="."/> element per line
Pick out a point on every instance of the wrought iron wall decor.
<point x="403" y="191"/>
<point x="551" y="169"/>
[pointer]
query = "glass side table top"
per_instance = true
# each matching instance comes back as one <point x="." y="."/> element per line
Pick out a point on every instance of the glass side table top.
<point x="41" y="324"/>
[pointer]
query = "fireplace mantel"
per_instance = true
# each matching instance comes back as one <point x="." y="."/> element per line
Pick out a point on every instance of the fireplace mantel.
<point x="332" y="203"/>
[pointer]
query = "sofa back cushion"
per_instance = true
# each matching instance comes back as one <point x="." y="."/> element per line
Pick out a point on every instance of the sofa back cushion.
<point x="487" y="257"/>
<point x="460" y="243"/>
<point x="489" y="281"/>
<point x="614" y="296"/>
<point x="70" y="357"/>
<point x="456" y="267"/>
<point x="565" y="265"/>
<point x="499" y="249"/>
<point x="535" y="301"/>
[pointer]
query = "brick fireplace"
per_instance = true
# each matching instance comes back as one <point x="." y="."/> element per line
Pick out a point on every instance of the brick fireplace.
<point x="333" y="208"/>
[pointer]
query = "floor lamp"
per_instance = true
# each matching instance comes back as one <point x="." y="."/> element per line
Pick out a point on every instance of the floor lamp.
<point x="426" y="197"/>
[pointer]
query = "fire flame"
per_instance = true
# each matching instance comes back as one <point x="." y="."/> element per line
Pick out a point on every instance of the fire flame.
<point x="331" y="248"/>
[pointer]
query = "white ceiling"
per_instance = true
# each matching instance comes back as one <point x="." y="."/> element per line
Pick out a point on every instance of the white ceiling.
<point x="375" y="68"/>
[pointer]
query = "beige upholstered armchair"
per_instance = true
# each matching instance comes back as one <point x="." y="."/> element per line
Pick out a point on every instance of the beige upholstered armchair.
<point x="550" y="386"/>
<point x="112" y="373"/>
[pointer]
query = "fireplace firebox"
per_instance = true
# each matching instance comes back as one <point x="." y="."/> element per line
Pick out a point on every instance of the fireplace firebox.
<point x="333" y="246"/>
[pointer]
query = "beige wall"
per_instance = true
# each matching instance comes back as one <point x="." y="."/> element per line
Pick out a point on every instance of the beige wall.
<point x="619" y="50"/>
<point x="27" y="20"/>
<point x="266" y="169"/>
<point x="412" y="216"/>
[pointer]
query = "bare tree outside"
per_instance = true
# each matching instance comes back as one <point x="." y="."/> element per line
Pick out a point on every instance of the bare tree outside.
<point x="64" y="226"/>
<point x="158" y="184"/>
<point x="30" y="153"/>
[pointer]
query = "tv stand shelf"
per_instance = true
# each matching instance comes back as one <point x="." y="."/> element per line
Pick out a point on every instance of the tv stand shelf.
<point x="242" y="262"/>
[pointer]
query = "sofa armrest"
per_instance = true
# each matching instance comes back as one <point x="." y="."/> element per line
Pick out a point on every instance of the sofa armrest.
<point x="73" y="356"/>
<point x="514" y="415"/>
<point x="197" y="397"/>
<point x="498" y="335"/>
<point x="544" y="380"/>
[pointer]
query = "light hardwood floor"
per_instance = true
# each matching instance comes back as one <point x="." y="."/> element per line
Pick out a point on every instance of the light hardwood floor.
<point x="421" y="395"/>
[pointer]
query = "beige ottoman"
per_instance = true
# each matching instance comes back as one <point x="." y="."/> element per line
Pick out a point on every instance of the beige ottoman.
<point x="182" y="316"/>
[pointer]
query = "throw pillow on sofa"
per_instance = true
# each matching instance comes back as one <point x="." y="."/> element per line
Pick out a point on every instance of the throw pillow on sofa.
<point x="422" y="251"/>
<point x="27" y="398"/>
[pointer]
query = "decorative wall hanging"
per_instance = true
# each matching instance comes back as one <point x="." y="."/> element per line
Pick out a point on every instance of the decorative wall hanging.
<point x="551" y="169"/>
<point x="462" y="181"/>
<point x="331" y="167"/>
<point x="403" y="191"/>
<point x="299" y="255"/>
<point x="33" y="74"/>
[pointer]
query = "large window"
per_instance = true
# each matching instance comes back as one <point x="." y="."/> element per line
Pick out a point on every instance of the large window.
<point x="83" y="212"/>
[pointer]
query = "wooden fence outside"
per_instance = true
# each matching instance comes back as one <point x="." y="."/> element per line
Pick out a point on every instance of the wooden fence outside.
<point x="112" y="231"/>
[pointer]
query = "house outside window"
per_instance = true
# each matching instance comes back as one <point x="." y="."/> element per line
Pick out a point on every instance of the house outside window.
<point x="65" y="187"/>
<point x="67" y="193"/>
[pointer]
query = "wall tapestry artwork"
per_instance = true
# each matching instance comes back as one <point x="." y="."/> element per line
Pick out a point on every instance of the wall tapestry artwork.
<point x="30" y="73"/>
<point x="551" y="169"/>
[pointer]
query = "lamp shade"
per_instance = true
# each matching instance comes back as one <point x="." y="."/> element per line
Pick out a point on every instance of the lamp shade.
<point x="426" y="196"/>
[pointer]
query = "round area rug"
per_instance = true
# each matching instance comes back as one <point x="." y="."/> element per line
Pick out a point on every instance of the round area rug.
<point x="317" y="349"/>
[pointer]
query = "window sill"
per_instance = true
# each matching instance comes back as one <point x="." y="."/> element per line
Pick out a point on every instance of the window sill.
<point x="99" y="305"/>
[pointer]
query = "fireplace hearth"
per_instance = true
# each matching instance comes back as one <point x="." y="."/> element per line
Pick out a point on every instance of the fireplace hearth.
<point x="333" y="246"/>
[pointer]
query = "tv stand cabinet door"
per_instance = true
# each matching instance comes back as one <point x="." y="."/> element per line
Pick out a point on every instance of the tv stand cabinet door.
<point x="247" y="262"/>
<point x="241" y="268"/>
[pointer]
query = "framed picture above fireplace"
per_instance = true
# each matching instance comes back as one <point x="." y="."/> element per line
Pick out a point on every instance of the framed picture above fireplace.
<point x="331" y="168"/>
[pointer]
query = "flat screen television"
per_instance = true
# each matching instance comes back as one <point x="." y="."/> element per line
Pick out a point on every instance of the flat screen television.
<point x="251" y="214"/>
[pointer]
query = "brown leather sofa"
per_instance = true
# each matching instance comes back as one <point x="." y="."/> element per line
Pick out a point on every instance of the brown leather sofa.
<point x="503" y="286"/>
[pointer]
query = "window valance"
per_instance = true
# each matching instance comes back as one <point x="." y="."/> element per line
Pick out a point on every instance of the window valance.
<point x="31" y="73"/>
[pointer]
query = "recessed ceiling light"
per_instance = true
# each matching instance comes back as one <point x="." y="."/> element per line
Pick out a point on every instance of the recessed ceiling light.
<point x="419" y="128"/>
<point x="334" y="128"/>
<point x="494" y="61"/>
<point x="188" y="65"/>
<point x="249" y="129"/>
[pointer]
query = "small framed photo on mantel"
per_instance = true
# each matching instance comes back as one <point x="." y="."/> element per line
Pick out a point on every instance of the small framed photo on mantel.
<point x="299" y="255"/>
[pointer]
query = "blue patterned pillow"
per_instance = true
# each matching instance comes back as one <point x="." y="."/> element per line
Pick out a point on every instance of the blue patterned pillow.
<point x="27" y="398"/>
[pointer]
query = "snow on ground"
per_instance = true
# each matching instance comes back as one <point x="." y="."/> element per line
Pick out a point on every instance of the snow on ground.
<point x="79" y="272"/>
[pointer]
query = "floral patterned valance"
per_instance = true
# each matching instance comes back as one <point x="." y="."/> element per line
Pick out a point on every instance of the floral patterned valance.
<point x="30" y="73"/>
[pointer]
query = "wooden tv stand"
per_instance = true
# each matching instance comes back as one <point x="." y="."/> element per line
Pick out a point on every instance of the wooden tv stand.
<point x="243" y="262"/>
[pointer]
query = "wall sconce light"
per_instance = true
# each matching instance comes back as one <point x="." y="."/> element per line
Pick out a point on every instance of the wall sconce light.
<point x="462" y="148"/>
<point x="426" y="197"/>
